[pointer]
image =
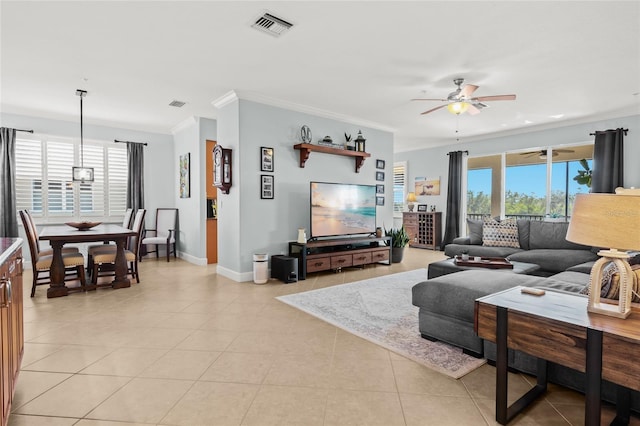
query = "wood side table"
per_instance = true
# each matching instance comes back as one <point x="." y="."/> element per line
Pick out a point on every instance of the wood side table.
<point x="556" y="327"/>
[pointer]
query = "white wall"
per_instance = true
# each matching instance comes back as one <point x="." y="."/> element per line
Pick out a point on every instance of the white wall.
<point x="266" y="226"/>
<point x="434" y="162"/>
<point x="190" y="137"/>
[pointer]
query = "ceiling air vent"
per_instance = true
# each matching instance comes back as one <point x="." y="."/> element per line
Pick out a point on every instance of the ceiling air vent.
<point x="177" y="104"/>
<point x="271" y="24"/>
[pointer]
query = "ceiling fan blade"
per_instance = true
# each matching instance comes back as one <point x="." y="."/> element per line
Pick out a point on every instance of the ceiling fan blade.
<point x="495" y="98"/>
<point x="468" y="90"/>
<point x="425" y="99"/>
<point x="563" y="150"/>
<point x="472" y="110"/>
<point x="433" y="109"/>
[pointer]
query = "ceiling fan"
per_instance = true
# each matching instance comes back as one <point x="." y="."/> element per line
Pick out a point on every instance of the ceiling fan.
<point x="460" y="100"/>
<point x="543" y="153"/>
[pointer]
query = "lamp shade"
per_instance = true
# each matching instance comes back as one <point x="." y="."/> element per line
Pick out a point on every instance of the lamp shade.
<point x="411" y="197"/>
<point x="606" y="220"/>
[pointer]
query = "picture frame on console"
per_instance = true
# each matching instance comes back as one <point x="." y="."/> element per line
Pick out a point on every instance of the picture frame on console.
<point x="266" y="187"/>
<point x="422" y="207"/>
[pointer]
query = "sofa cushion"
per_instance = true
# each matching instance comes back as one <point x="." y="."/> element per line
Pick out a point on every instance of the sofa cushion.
<point x="500" y="234"/>
<point x="551" y="235"/>
<point x="554" y="260"/>
<point x="524" y="229"/>
<point x="475" y="231"/>
<point x="585" y="267"/>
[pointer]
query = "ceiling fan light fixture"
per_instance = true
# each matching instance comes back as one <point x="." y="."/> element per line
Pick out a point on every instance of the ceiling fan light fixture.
<point x="458" y="107"/>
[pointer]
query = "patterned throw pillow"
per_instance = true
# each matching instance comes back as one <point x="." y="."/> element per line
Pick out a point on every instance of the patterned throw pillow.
<point x="500" y="234"/>
<point x="607" y="272"/>
<point x="610" y="286"/>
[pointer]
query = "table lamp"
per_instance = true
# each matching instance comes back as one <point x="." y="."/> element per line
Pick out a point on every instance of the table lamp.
<point x="411" y="198"/>
<point x="608" y="220"/>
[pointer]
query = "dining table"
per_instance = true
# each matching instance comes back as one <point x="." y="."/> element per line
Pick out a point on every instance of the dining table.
<point x="59" y="235"/>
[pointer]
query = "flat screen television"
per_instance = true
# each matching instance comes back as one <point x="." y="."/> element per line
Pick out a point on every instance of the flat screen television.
<point x="342" y="209"/>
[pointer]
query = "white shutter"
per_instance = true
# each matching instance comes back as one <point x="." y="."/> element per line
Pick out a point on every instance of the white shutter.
<point x="92" y="193"/>
<point x="29" y="175"/>
<point x="399" y="185"/>
<point x="59" y="188"/>
<point x="117" y="174"/>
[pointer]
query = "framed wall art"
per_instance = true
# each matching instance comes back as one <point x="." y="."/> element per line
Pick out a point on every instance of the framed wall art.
<point x="380" y="176"/>
<point x="379" y="201"/>
<point x="379" y="164"/>
<point x="379" y="189"/>
<point x="185" y="176"/>
<point x="266" y="159"/>
<point x="427" y="186"/>
<point x="266" y="187"/>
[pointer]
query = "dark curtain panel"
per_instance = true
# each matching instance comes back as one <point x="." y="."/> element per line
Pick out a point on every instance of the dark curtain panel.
<point x="454" y="194"/>
<point x="8" y="216"/>
<point x="608" y="157"/>
<point x="135" y="184"/>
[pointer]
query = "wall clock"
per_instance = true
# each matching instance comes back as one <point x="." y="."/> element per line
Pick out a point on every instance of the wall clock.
<point x="222" y="171"/>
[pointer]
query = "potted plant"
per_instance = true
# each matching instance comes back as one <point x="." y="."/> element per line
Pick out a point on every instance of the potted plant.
<point x="399" y="240"/>
<point x="584" y="176"/>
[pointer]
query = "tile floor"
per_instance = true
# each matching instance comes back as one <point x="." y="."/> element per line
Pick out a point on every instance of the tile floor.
<point x="189" y="347"/>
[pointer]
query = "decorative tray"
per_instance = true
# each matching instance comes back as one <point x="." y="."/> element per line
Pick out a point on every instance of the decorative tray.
<point x="484" y="262"/>
<point x="83" y="226"/>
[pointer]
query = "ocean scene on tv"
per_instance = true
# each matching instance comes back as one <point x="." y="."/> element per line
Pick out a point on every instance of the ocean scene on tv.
<point x="342" y="209"/>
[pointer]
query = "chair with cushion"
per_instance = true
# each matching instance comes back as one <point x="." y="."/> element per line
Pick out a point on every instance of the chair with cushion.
<point x="126" y="223"/>
<point x="104" y="258"/>
<point x="41" y="264"/>
<point x="164" y="232"/>
<point x="34" y="230"/>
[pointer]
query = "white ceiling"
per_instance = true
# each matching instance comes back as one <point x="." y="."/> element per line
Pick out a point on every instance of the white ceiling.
<point x="577" y="60"/>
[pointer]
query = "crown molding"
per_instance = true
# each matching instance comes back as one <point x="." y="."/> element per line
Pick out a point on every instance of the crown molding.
<point x="190" y="121"/>
<point x="293" y="106"/>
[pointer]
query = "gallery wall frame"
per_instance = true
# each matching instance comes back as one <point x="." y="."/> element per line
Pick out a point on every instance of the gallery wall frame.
<point x="266" y="159"/>
<point x="266" y="187"/>
<point x="185" y="175"/>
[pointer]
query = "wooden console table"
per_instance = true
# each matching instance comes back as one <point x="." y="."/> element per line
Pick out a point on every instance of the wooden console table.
<point x="556" y="327"/>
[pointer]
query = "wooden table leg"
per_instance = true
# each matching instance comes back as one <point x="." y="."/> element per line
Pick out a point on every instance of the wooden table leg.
<point x="594" y="377"/>
<point x="56" y="273"/>
<point x="121" y="280"/>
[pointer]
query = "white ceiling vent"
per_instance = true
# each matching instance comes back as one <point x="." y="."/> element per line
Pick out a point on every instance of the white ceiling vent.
<point x="271" y="24"/>
<point x="177" y="104"/>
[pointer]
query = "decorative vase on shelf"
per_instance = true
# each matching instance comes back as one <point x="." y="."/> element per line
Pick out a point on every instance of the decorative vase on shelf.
<point x="302" y="236"/>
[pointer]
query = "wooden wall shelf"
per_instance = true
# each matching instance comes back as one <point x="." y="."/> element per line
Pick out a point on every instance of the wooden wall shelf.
<point x="306" y="148"/>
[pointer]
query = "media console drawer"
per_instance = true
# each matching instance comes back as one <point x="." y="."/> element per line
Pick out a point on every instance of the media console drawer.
<point x="380" y="255"/>
<point x="318" y="264"/>
<point x="361" y="258"/>
<point x="341" y="261"/>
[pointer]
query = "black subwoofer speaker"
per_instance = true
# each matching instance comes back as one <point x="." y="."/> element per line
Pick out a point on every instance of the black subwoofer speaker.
<point x="284" y="268"/>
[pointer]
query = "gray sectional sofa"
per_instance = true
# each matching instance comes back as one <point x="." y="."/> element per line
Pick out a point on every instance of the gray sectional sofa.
<point x="542" y="243"/>
<point x="447" y="302"/>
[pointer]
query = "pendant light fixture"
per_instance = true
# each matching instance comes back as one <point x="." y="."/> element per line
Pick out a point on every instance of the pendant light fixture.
<point x="82" y="174"/>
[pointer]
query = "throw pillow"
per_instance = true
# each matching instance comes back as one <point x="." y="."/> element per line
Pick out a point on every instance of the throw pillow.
<point x="605" y="285"/>
<point x="500" y="234"/>
<point x="475" y="231"/>
<point x="635" y="283"/>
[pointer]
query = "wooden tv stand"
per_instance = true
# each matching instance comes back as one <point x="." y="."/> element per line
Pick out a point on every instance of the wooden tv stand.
<point x="338" y="253"/>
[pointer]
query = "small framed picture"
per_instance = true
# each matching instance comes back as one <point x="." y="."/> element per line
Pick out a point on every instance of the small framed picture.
<point x="379" y="189"/>
<point x="379" y="201"/>
<point x="379" y="164"/>
<point x="266" y="187"/>
<point x="422" y="207"/>
<point x="380" y="176"/>
<point x="266" y="159"/>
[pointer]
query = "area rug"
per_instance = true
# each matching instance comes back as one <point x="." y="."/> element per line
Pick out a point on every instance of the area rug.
<point x="380" y="310"/>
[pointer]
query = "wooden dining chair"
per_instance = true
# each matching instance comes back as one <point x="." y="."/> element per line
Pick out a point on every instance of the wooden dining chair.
<point x="126" y="223"/>
<point x="104" y="258"/>
<point x="41" y="264"/>
<point x="34" y="230"/>
<point x="164" y="233"/>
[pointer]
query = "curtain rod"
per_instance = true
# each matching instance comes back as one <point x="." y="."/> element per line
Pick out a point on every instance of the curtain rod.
<point x="624" y="130"/>
<point x="464" y="152"/>
<point x="26" y="131"/>
<point x="141" y="143"/>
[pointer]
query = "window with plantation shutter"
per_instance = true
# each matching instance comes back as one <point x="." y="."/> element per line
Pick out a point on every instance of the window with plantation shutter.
<point x="45" y="187"/>
<point x="399" y="186"/>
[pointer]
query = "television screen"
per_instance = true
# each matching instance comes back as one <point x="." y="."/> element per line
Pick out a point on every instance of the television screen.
<point x="342" y="209"/>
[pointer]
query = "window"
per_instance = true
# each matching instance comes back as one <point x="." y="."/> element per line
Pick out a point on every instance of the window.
<point x="44" y="184"/>
<point x="478" y="193"/>
<point x="399" y="186"/>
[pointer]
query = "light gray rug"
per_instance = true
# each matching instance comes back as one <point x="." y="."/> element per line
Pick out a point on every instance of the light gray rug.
<point x="380" y="310"/>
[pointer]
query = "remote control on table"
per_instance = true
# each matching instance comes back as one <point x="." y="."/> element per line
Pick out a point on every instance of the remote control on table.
<point x="533" y="291"/>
